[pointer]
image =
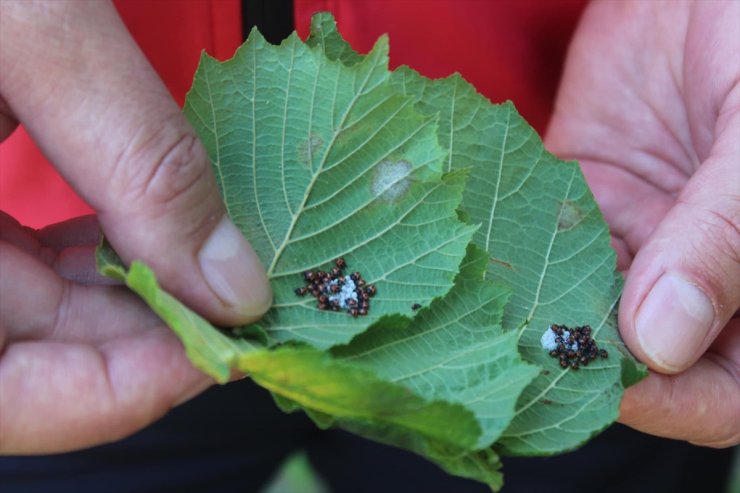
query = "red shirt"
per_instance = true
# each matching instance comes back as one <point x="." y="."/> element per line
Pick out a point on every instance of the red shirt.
<point x="508" y="49"/>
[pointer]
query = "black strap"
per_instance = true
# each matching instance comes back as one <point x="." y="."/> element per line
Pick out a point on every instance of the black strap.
<point x="273" y="18"/>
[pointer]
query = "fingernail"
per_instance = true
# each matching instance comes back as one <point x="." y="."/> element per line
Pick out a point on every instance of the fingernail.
<point x="673" y="321"/>
<point x="234" y="272"/>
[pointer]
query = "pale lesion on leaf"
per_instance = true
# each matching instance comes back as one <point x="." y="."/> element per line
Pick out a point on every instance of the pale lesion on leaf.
<point x="310" y="148"/>
<point x="569" y="215"/>
<point x="391" y="179"/>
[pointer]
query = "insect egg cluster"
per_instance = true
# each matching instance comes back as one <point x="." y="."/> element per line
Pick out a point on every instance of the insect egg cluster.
<point x="574" y="347"/>
<point x="335" y="291"/>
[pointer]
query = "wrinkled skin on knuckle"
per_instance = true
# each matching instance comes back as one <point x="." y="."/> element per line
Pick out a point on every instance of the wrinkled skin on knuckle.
<point x="178" y="170"/>
<point x="712" y="242"/>
<point x="164" y="168"/>
<point x="723" y="261"/>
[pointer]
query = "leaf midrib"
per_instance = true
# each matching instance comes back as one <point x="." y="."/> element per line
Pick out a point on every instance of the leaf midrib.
<point x="319" y="170"/>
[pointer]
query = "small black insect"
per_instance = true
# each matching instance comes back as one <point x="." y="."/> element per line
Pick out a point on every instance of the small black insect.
<point x="603" y="353"/>
<point x="371" y="290"/>
<point x="339" y="262"/>
<point x="415" y="306"/>
<point x="301" y="291"/>
<point x="309" y="275"/>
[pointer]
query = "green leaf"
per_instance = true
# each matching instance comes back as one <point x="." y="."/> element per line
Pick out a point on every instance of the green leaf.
<point x="209" y="349"/>
<point x="311" y="378"/>
<point x="316" y="160"/>
<point x="108" y="262"/>
<point x="317" y="381"/>
<point x="454" y="351"/>
<point x="321" y="152"/>
<point x="304" y="376"/>
<point x="336" y="391"/>
<point x="324" y="33"/>
<point x="548" y="241"/>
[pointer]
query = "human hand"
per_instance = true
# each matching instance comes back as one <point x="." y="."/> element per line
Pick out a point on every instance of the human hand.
<point x="650" y="106"/>
<point x="83" y="363"/>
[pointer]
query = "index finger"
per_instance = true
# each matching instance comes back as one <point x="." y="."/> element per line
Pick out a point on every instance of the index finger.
<point x="78" y="82"/>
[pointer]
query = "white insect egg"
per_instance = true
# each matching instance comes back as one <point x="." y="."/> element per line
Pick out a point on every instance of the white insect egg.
<point x="548" y="340"/>
<point x="566" y="340"/>
<point x="345" y="294"/>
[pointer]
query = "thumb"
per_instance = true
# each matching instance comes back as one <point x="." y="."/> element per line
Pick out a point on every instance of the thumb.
<point x="684" y="283"/>
<point x="100" y="113"/>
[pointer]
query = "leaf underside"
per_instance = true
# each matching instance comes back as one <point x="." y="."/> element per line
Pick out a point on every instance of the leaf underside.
<point x="321" y="152"/>
<point x="546" y="240"/>
<point x="317" y="160"/>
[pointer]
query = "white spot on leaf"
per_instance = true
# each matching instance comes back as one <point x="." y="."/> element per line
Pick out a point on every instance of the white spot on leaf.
<point x="391" y="179"/>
